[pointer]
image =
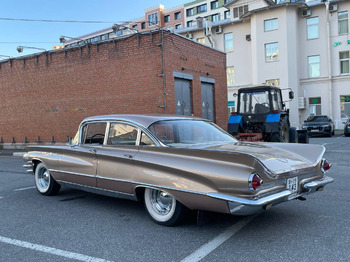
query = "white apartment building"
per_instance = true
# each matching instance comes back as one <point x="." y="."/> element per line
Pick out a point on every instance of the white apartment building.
<point x="292" y="44"/>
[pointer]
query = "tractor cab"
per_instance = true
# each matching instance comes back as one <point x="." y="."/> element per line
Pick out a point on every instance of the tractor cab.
<point x="260" y="100"/>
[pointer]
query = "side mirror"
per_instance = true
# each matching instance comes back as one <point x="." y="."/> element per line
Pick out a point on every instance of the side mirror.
<point x="69" y="140"/>
<point x="291" y="95"/>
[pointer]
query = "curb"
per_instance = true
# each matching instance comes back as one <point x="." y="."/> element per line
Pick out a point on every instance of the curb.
<point x="19" y="154"/>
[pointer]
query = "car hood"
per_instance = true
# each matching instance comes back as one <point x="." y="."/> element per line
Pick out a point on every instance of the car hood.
<point x="315" y="123"/>
<point x="277" y="157"/>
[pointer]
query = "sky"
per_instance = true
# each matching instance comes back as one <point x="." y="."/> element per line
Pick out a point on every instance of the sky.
<point x="46" y="34"/>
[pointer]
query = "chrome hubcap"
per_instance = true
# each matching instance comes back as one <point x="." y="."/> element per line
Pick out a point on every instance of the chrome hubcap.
<point x="161" y="202"/>
<point x="44" y="179"/>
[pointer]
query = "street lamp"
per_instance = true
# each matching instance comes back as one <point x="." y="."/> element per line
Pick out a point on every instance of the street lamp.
<point x="116" y="27"/>
<point x="20" y="48"/>
<point x="64" y="38"/>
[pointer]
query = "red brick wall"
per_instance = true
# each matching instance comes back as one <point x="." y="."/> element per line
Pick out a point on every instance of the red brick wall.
<point x="50" y="96"/>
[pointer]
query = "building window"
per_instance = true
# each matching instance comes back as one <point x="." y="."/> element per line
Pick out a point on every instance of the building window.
<point x="167" y="19"/>
<point x="314" y="65"/>
<point x="226" y="1"/>
<point x="189" y="23"/>
<point x="230" y="72"/>
<point x="177" y="15"/>
<point x="95" y="39"/>
<point x="189" y="12"/>
<point x="201" y="40"/>
<point x="273" y="82"/>
<point x="215" y="18"/>
<point x="239" y="11"/>
<point x="134" y="27"/>
<point x="214" y="5"/>
<point x="111" y="35"/>
<point x="344" y="62"/>
<point x="271" y="52"/>
<point x="345" y="106"/>
<point x="271" y="24"/>
<point x="178" y="26"/>
<point x="343" y="27"/>
<point x="312" y="27"/>
<point x="228" y="42"/>
<point x="104" y="37"/>
<point x="227" y="14"/>
<point x="315" y="106"/>
<point x="201" y="8"/>
<point x="119" y="32"/>
<point x="143" y="25"/>
<point x="153" y="19"/>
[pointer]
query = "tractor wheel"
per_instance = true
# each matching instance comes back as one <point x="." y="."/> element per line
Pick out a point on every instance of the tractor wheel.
<point x="283" y="132"/>
<point x="293" y="135"/>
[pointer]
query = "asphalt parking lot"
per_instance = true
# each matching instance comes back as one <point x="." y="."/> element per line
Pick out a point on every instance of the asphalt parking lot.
<point x="78" y="226"/>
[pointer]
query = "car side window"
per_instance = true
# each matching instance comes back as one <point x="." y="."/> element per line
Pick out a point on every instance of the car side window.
<point x="145" y="140"/>
<point x="122" y="134"/>
<point x="93" y="133"/>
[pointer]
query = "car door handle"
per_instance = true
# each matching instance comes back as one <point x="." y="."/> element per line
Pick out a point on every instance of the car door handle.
<point x="93" y="151"/>
<point x="128" y="156"/>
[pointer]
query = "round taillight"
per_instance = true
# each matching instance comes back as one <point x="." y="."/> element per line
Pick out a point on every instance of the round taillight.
<point x="325" y="166"/>
<point x="255" y="182"/>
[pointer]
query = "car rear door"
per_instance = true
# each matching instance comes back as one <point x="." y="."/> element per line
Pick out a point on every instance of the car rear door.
<point x="116" y="164"/>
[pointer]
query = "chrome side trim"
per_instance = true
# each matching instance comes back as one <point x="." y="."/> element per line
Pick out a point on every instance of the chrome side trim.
<point x="114" y="179"/>
<point x="140" y="184"/>
<point x="99" y="191"/>
<point x="72" y="173"/>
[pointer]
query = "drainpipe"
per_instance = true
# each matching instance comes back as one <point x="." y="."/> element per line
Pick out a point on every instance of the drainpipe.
<point x="161" y="44"/>
<point x="330" y="97"/>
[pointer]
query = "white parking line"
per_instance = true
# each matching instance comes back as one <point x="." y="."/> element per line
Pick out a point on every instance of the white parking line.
<point x="207" y="248"/>
<point x="50" y="250"/>
<point x="24" y="188"/>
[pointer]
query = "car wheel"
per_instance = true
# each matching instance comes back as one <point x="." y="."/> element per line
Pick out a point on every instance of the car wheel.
<point x="44" y="182"/>
<point x="163" y="208"/>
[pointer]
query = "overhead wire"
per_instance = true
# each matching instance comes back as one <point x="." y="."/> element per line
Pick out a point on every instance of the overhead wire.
<point x="55" y="21"/>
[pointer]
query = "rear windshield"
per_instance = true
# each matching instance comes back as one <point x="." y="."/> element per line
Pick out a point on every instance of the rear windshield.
<point x="189" y="132"/>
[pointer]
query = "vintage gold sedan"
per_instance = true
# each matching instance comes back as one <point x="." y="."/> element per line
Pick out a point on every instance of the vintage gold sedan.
<point x="175" y="163"/>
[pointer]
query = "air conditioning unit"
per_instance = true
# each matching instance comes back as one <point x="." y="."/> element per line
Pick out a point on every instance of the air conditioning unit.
<point x="248" y="37"/>
<point x="301" y="102"/>
<point x="189" y="35"/>
<point x="333" y="8"/>
<point x="306" y="13"/>
<point x="218" y="30"/>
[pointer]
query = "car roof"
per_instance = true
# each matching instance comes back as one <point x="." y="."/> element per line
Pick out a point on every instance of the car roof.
<point x="146" y="120"/>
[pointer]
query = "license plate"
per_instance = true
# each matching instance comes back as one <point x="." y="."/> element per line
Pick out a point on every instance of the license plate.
<point x="292" y="184"/>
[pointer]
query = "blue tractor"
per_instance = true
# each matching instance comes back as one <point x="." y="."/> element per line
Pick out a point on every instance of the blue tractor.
<point x="262" y="116"/>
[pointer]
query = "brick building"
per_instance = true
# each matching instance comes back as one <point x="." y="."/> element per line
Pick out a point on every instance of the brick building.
<point x="48" y="94"/>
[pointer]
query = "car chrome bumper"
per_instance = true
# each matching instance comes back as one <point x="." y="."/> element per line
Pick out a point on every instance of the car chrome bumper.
<point x="241" y="206"/>
<point x="29" y="167"/>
